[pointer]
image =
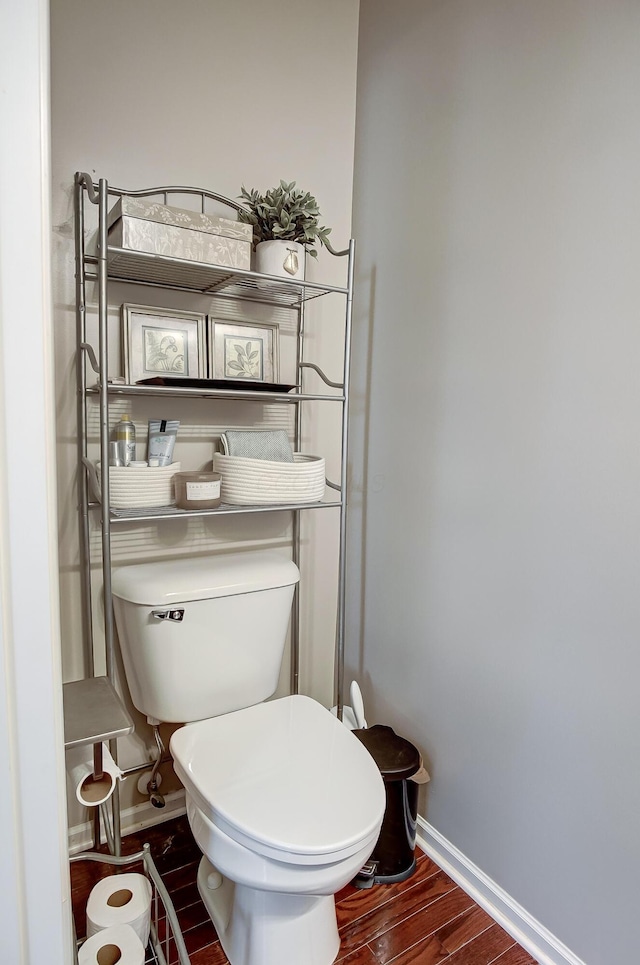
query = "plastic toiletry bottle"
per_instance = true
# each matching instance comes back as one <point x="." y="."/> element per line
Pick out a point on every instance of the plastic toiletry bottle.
<point x="126" y="439"/>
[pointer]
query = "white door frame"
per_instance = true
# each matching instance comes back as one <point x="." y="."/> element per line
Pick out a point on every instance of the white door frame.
<point x="34" y="875"/>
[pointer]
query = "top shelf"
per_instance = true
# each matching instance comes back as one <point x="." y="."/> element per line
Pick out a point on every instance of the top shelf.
<point x="151" y="269"/>
<point x="180" y="274"/>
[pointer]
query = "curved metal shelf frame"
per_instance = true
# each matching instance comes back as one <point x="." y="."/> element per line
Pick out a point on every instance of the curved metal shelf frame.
<point x="118" y="265"/>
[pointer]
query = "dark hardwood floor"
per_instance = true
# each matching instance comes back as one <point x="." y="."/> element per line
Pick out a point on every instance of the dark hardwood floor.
<point x="425" y="920"/>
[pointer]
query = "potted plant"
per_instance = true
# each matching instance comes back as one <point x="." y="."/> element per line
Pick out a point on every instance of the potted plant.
<point x="286" y="224"/>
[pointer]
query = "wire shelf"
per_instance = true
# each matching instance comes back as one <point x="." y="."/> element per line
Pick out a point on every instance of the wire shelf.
<point x="152" y="269"/>
<point x="224" y="509"/>
<point x="233" y="395"/>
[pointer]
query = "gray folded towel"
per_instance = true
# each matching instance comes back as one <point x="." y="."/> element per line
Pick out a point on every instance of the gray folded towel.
<point x="271" y="444"/>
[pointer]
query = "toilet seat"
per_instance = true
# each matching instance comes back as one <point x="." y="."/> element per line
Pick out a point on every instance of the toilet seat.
<point x="285" y="778"/>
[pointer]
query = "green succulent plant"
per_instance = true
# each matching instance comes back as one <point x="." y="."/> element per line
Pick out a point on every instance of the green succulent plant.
<point x="283" y="214"/>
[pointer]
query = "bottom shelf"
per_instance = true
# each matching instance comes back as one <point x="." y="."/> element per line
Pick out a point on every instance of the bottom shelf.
<point x="172" y="512"/>
<point x="166" y="944"/>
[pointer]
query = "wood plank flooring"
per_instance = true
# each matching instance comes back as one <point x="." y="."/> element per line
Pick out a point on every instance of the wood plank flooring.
<point x="425" y="920"/>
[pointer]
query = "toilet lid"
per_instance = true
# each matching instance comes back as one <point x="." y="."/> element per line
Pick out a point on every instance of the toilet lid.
<point x="283" y="776"/>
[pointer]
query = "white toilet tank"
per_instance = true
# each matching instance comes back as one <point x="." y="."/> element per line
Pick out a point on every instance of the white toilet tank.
<point x="205" y="636"/>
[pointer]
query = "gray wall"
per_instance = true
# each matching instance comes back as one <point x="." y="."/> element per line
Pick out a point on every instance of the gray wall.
<point x="494" y="612"/>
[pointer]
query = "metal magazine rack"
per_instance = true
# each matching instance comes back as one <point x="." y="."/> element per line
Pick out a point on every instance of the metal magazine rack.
<point x="165" y="939"/>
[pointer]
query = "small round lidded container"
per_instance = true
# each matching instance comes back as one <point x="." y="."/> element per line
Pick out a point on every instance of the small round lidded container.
<point x="197" y="490"/>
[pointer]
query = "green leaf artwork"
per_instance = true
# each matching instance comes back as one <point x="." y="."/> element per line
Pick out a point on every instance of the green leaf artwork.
<point x="164" y="351"/>
<point x="243" y="360"/>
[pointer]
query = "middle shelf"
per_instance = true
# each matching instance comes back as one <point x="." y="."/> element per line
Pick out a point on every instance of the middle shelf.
<point x="198" y="392"/>
<point x="224" y="509"/>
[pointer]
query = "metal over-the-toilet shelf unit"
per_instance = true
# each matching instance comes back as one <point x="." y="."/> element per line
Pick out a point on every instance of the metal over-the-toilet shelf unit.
<point x="110" y="264"/>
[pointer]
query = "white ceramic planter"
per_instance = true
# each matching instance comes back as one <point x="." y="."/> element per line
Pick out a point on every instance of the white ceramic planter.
<point x="285" y="258"/>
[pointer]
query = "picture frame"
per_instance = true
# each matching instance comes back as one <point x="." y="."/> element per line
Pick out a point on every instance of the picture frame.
<point x="243" y="351"/>
<point x="162" y="342"/>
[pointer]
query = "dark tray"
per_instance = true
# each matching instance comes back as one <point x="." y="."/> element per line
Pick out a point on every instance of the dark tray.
<point x="244" y="385"/>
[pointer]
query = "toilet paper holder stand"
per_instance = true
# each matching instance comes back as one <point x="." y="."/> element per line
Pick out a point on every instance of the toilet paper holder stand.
<point x="161" y="904"/>
<point x="93" y="714"/>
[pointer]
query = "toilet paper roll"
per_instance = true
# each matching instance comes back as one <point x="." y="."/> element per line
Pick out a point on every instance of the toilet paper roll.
<point x="80" y="772"/>
<point x="116" y="944"/>
<point x="120" y="900"/>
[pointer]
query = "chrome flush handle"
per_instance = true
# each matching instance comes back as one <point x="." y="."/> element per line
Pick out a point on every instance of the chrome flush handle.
<point x="176" y="615"/>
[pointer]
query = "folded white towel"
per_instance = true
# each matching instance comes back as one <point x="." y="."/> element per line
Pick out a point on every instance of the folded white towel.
<point x="271" y="444"/>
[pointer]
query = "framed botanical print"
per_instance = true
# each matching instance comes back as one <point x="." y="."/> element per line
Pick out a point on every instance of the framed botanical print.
<point x="162" y="342"/>
<point x="243" y="351"/>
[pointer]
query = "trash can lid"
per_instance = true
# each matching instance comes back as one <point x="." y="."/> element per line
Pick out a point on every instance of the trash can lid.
<point x="396" y="757"/>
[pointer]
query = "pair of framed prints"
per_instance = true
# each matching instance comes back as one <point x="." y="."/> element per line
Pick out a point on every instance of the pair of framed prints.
<point x="162" y="343"/>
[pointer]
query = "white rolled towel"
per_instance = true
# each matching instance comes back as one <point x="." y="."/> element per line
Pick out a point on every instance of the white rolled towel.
<point x="269" y="444"/>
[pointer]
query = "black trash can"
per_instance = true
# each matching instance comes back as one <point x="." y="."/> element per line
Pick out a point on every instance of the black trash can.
<point x="398" y="761"/>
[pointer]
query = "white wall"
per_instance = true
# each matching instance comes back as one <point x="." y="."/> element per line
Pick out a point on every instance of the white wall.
<point x="495" y="520"/>
<point x="214" y="95"/>
<point x="34" y="876"/>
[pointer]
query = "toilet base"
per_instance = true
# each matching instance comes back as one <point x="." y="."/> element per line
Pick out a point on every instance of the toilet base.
<point x="266" y="927"/>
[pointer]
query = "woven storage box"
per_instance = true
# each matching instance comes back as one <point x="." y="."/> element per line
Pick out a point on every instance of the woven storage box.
<point x="140" y="488"/>
<point x="247" y="482"/>
<point x="139" y="224"/>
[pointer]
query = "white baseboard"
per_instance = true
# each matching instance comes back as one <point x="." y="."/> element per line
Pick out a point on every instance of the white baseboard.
<point x="132" y="819"/>
<point x="534" y="937"/>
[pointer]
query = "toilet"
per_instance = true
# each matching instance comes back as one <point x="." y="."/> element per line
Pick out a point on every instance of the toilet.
<point x="284" y="802"/>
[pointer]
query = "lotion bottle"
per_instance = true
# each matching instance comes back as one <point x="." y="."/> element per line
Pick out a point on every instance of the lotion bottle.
<point x="126" y="439"/>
